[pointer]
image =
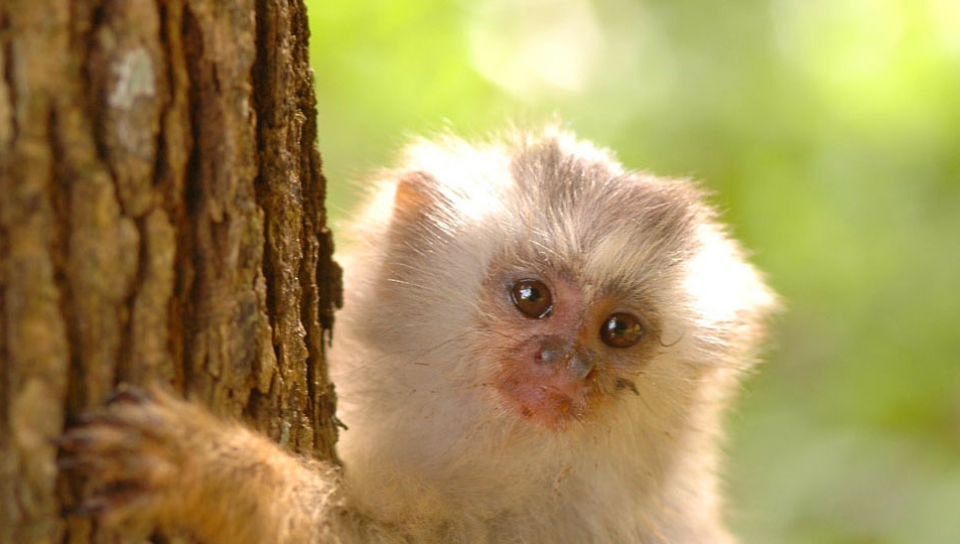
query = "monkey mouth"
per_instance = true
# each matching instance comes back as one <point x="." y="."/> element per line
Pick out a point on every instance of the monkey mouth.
<point x="554" y="402"/>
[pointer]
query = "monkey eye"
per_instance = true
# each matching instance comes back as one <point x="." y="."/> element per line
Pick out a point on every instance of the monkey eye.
<point x="532" y="298"/>
<point x="621" y="330"/>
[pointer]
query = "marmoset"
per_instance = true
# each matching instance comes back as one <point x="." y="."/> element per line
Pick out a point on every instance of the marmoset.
<point x="537" y="345"/>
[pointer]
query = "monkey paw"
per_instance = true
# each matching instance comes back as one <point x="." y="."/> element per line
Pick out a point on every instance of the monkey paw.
<point x="129" y="454"/>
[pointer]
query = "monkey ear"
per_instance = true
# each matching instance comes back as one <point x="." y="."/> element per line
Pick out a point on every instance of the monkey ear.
<point x="414" y="197"/>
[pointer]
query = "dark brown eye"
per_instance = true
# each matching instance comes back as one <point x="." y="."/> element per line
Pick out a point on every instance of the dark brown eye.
<point x="532" y="298"/>
<point x="621" y="330"/>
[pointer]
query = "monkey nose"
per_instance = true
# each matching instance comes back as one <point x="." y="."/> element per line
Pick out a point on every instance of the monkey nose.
<point x="578" y="361"/>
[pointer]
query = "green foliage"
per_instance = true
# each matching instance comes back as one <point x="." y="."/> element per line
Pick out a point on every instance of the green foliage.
<point x="830" y="132"/>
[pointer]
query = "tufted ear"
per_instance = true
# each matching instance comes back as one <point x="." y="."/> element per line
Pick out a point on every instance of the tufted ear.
<point x="414" y="201"/>
<point x="414" y="197"/>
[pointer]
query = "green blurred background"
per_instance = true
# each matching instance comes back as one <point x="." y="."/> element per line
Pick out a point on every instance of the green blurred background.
<point x="830" y="132"/>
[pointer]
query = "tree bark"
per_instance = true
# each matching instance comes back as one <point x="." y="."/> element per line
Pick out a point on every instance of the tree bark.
<point x="161" y="219"/>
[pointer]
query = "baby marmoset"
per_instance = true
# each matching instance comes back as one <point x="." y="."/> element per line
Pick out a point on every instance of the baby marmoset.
<point x="537" y="345"/>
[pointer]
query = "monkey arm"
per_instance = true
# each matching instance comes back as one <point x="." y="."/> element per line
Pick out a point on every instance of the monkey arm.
<point x="151" y="458"/>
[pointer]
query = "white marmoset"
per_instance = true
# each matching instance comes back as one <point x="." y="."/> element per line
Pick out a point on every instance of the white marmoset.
<point x="537" y="346"/>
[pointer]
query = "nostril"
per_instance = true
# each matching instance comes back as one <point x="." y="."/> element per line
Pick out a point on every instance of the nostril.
<point x="582" y="363"/>
<point x="549" y="355"/>
<point x="553" y="351"/>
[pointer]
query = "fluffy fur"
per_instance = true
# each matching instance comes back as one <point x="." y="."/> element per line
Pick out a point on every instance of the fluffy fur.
<point x="470" y="421"/>
<point x="433" y="446"/>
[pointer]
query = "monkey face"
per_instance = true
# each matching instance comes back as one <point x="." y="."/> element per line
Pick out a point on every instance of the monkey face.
<point x="560" y="351"/>
<point x="534" y="284"/>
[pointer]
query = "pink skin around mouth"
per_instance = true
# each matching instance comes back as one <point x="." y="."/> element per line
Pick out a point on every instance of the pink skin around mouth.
<point x="546" y="388"/>
<point x="547" y="396"/>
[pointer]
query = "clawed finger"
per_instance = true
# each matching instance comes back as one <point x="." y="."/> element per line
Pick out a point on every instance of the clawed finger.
<point x="112" y="498"/>
<point x="129" y="394"/>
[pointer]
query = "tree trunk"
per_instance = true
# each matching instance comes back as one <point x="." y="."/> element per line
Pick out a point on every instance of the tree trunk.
<point x="161" y="219"/>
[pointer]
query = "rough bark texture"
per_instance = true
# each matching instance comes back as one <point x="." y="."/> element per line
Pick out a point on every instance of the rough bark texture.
<point x="161" y="219"/>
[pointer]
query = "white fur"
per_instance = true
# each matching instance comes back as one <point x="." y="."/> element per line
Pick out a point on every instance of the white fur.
<point x="431" y="453"/>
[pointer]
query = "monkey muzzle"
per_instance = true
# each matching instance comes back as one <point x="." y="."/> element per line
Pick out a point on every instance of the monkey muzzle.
<point x="552" y="384"/>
